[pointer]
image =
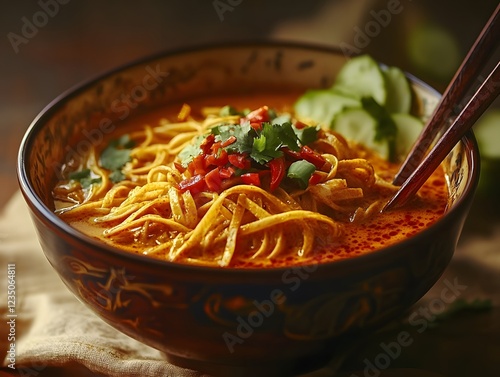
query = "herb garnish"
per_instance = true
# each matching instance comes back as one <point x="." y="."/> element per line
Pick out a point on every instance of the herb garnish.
<point x="113" y="158"/>
<point x="251" y="150"/>
<point x="84" y="177"/>
<point x="386" y="127"/>
<point x="116" y="155"/>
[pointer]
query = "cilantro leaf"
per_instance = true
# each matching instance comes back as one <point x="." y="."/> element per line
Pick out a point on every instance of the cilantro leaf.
<point x="190" y="151"/>
<point x="262" y="145"/>
<point x="307" y="135"/>
<point x="77" y="175"/>
<point x="116" y="176"/>
<point x="87" y="182"/>
<point x="243" y="133"/>
<point x="259" y="143"/>
<point x="288" y="136"/>
<point x="267" y="145"/>
<point x="271" y="139"/>
<point x="112" y="158"/>
<point x="386" y="127"/>
<point x="84" y="177"/>
<point x="116" y="155"/>
<point x="270" y="132"/>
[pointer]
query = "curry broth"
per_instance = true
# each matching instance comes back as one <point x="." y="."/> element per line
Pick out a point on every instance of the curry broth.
<point x="358" y="238"/>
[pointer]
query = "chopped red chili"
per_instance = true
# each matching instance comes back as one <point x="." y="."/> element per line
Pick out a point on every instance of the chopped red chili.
<point x="258" y="116"/>
<point x="315" y="179"/>
<point x="251" y="179"/>
<point x="239" y="160"/>
<point x="277" y="167"/>
<point x="311" y="156"/>
<point x="195" y="184"/>
<point x="213" y="180"/>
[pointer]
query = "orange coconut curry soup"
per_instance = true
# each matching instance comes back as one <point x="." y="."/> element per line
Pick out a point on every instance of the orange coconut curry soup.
<point x="247" y="185"/>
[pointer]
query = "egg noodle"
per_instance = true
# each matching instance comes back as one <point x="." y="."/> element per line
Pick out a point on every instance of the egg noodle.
<point x="148" y="212"/>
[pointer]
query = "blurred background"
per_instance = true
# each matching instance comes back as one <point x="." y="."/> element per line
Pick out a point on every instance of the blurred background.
<point x="48" y="46"/>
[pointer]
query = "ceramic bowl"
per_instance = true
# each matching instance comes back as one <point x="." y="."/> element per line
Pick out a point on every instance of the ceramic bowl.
<point x="208" y="318"/>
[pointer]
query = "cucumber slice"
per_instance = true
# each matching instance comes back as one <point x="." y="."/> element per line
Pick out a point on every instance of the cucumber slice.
<point x="361" y="76"/>
<point x="367" y="105"/>
<point x="358" y="125"/>
<point x="322" y="105"/>
<point x="408" y="130"/>
<point x="398" y="91"/>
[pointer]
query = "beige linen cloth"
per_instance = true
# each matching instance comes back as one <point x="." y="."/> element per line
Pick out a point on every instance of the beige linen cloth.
<point x="54" y="329"/>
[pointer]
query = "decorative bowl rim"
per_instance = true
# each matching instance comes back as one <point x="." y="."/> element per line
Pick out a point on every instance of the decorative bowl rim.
<point x="37" y="124"/>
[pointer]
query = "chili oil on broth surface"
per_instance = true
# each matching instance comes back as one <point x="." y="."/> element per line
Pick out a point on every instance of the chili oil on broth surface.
<point x="394" y="226"/>
<point x="357" y="237"/>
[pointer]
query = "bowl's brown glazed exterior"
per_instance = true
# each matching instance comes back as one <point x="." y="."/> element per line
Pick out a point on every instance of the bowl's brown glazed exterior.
<point x="200" y="316"/>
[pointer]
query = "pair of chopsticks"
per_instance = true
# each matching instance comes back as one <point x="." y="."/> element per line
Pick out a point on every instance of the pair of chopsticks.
<point x="418" y="166"/>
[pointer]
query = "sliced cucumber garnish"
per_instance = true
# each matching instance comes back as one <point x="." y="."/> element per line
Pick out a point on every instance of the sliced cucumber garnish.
<point x="358" y="125"/>
<point x="361" y="76"/>
<point x="322" y="105"/>
<point x="364" y="92"/>
<point x="398" y="91"/>
<point x="408" y="130"/>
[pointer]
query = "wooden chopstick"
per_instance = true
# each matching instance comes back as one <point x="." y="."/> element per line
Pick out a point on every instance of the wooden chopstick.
<point x="462" y="81"/>
<point x="486" y="94"/>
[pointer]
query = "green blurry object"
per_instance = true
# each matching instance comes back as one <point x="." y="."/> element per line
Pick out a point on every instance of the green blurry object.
<point x="487" y="131"/>
<point x="434" y="52"/>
